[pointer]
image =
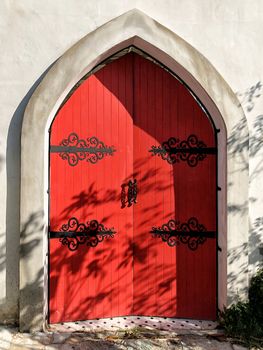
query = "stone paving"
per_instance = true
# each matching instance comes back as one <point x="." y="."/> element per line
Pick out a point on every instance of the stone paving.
<point x="134" y="339"/>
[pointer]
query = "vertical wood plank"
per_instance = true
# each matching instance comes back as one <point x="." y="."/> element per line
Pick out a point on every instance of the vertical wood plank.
<point x="93" y="282"/>
<point x="132" y="104"/>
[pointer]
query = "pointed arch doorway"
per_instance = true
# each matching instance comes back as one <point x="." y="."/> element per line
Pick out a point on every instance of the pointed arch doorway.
<point x="133" y="197"/>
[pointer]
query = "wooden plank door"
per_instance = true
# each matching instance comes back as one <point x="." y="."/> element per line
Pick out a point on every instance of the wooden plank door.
<point x="173" y="276"/>
<point x="90" y="158"/>
<point x="155" y="256"/>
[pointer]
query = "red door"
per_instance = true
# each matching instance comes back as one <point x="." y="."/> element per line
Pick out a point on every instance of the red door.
<point x="132" y="198"/>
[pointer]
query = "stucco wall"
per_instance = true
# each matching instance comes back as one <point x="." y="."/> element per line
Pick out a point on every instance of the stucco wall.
<point x="34" y="34"/>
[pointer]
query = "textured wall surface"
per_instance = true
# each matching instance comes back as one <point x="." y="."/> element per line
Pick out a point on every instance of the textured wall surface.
<point x="34" y="34"/>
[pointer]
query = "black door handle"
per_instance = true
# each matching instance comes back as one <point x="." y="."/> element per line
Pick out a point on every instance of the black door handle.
<point x="131" y="194"/>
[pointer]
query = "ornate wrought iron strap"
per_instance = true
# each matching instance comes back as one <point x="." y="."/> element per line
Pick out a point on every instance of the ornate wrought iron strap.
<point x="73" y="149"/>
<point x="74" y="233"/>
<point x="191" y="150"/>
<point x="191" y="233"/>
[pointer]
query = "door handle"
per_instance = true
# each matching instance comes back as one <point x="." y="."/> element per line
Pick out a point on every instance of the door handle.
<point x="132" y="192"/>
<point x="129" y="196"/>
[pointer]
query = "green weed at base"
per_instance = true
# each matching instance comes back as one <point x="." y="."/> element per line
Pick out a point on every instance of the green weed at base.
<point x="243" y="321"/>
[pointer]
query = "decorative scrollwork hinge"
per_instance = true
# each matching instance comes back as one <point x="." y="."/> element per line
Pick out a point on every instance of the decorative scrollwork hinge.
<point x="191" y="150"/>
<point x="73" y="149"/>
<point x="191" y="233"/>
<point x="73" y="234"/>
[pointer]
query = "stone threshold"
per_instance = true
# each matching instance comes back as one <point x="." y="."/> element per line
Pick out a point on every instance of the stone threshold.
<point x="133" y="322"/>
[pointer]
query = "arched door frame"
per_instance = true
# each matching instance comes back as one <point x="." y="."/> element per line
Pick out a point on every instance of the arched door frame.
<point x="204" y="81"/>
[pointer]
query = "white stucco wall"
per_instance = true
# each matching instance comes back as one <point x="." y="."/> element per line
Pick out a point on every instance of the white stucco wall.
<point x="34" y="34"/>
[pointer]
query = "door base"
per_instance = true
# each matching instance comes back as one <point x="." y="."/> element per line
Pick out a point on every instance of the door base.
<point x="131" y="322"/>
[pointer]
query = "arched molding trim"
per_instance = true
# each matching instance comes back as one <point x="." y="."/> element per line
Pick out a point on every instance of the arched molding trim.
<point x="133" y="28"/>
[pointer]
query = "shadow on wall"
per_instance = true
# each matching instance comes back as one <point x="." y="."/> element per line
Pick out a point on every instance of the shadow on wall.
<point x="253" y="252"/>
<point x="31" y="236"/>
<point x="248" y="97"/>
<point x="239" y="141"/>
<point x="256" y="234"/>
<point x="10" y="251"/>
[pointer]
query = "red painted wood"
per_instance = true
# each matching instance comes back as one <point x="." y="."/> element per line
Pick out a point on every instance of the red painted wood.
<point x="132" y="104"/>
<point x="93" y="282"/>
<point x="171" y="282"/>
